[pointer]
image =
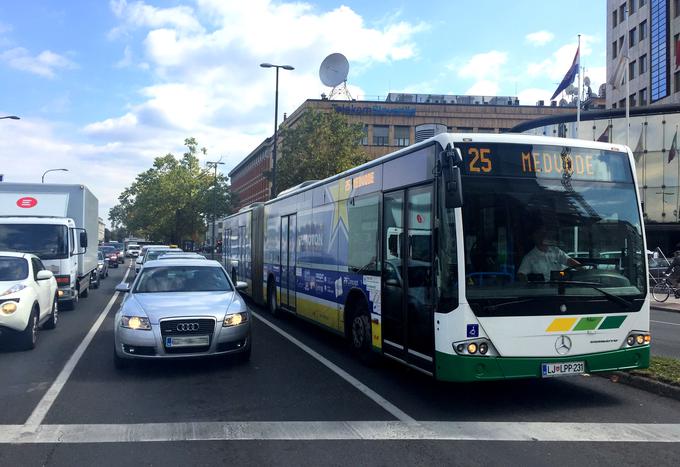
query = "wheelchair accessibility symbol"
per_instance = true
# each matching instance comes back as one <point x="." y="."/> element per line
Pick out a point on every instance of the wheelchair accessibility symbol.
<point x="473" y="330"/>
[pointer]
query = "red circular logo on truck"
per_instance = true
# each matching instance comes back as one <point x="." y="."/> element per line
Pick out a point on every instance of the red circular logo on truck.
<point x="27" y="202"/>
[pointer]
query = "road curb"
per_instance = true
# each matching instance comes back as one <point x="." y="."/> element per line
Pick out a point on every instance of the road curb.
<point x="663" y="308"/>
<point x="647" y="384"/>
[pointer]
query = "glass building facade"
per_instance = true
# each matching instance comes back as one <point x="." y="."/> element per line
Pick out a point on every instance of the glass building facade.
<point x="659" y="50"/>
<point x="653" y="131"/>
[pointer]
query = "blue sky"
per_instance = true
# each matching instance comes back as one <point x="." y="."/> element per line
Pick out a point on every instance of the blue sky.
<point x="104" y="87"/>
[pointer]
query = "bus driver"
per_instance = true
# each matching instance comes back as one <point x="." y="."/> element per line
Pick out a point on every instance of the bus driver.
<point x="543" y="258"/>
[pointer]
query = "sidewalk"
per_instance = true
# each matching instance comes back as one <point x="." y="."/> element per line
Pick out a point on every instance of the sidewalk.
<point x="672" y="304"/>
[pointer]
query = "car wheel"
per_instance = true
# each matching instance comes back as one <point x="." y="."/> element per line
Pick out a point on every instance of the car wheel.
<point x="54" y="316"/>
<point x="119" y="362"/>
<point x="271" y="299"/>
<point x="360" y="340"/>
<point x="29" y="336"/>
<point x="95" y="284"/>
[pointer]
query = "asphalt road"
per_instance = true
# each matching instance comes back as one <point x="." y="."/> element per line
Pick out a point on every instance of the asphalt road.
<point x="303" y="400"/>
<point x="665" y="333"/>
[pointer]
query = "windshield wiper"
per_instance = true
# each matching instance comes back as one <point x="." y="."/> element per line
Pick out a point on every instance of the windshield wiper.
<point x="593" y="285"/>
<point x="509" y="302"/>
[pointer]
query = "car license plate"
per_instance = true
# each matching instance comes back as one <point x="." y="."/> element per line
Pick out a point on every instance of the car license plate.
<point x="187" y="341"/>
<point x="549" y="370"/>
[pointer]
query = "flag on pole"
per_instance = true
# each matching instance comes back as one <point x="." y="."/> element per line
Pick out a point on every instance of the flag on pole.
<point x="674" y="148"/>
<point x="571" y="74"/>
<point x="604" y="137"/>
<point x="637" y="154"/>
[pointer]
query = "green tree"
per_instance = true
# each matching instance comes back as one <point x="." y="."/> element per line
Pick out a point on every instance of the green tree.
<point x="321" y="144"/>
<point x="172" y="200"/>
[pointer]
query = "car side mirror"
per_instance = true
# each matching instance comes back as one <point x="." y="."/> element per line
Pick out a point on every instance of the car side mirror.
<point x="241" y="286"/>
<point x="44" y="275"/>
<point x="123" y="287"/>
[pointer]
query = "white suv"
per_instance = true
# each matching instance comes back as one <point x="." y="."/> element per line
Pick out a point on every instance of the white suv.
<point x="132" y="251"/>
<point x="28" y="298"/>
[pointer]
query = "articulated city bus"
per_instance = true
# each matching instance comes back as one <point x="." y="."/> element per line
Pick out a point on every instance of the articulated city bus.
<point x="466" y="256"/>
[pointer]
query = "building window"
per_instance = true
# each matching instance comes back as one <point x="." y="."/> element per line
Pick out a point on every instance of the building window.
<point x="676" y="8"/>
<point x="631" y="6"/>
<point x="631" y="70"/>
<point x="614" y="49"/>
<point x="364" y="137"/>
<point x="642" y="28"/>
<point x="402" y="135"/>
<point x="613" y="105"/>
<point x="676" y="81"/>
<point x="622" y="13"/>
<point x="620" y="43"/>
<point x="380" y="135"/>
<point x="642" y="96"/>
<point x="614" y="18"/>
<point x="631" y="100"/>
<point x="631" y="37"/>
<point x="659" y="58"/>
<point x="642" y="3"/>
<point x="622" y="103"/>
<point x="642" y="64"/>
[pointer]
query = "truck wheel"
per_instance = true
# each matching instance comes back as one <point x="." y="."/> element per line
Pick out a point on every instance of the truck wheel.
<point x="85" y="293"/>
<point x="271" y="299"/>
<point x="54" y="315"/>
<point x="29" y="336"/>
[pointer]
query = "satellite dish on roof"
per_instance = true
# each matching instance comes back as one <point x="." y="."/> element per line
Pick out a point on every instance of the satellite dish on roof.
<point x="334" y="69"/>
<point x="333" y="73"/>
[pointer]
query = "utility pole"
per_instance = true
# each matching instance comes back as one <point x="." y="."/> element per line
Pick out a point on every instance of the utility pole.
<point x="214" y="165"/>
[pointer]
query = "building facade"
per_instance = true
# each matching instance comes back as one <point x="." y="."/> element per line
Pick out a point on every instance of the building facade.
<point x="643" y="38"/>
<point x="391" y="125"/>
<point x="657" y="162"/>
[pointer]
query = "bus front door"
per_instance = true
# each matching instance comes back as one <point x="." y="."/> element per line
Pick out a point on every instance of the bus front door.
<point x="288" y="261"/>
<point x="407" y="295"/>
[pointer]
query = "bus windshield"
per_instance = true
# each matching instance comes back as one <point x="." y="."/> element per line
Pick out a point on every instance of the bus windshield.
<point x="536" y="239"/>
<point x="43" y="240"/>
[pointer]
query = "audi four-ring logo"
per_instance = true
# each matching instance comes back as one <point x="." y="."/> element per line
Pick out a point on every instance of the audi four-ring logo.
<point x="187" y="327"/>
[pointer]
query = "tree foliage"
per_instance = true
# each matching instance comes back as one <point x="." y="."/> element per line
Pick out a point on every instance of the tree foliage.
<point x="320" y="144"/>
<point x="172" y="200"/>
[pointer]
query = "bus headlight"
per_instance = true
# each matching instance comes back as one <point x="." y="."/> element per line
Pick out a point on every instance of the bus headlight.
<point x="477" y="347"/>
<point x="472" y="348"/>
<point x="636" y="338"/>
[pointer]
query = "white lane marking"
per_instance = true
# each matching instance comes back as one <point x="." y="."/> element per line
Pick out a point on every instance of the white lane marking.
<point x="370" y="393"/>
<point x="350" y="430"/>
<point x="40" y="411"/>
<point x="664" y="322"/>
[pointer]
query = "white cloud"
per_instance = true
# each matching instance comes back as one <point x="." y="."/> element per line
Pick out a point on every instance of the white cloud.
<point x="531" y="96"/>
<point x="140" y="15"/>
<point x="540" y="37"/>
<point x="44" y="64"/>
<point x="484" y="65"/>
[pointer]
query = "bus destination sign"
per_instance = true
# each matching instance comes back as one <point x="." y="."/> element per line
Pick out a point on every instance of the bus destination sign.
<point x="533" y="161"/>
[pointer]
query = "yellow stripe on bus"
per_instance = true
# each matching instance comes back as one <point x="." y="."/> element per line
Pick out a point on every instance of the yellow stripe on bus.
<point x="561" y="324"/>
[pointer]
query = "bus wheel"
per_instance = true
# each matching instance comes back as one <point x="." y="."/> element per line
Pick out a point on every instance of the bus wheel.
<point x="271" y="299"/>
<point x="360" y="332"/>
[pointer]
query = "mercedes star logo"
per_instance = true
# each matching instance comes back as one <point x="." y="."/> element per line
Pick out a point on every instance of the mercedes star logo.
<point x="563" y="345"/>
<point x="187" y="327"/>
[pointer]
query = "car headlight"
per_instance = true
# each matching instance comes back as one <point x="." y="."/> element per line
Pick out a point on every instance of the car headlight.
<point x="100" y="266"/>
<point x="8" y="308"/>
<point x="14" y="289"/>
<point x="234" y="319"/>
<point x="135" y="322"/>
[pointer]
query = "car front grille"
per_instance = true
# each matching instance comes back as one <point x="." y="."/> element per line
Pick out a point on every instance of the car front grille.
<point x="205" y="326"/>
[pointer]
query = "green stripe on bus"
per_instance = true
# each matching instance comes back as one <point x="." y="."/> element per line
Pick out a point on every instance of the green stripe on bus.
<point x="612" y="322"/>
<point x="588" y="324"/>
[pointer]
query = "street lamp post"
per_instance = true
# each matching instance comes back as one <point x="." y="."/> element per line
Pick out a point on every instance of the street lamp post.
<point x="276" y="121"/>
<point x="213" y="243"/>
<point x="52" y="170"/>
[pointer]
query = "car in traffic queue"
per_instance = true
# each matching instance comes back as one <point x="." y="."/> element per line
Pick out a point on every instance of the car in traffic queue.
<point x="28" y="298"/>
<point x="181" y="308"/>
<point x="102" y="271"/>
<point x="139" y="262"/>
<point x="132" y="250"/>
<point x="111" y="255"/>
<point x="180" y="255"/>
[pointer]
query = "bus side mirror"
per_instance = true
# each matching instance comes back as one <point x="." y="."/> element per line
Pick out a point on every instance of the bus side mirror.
<point x="451" y="160"/>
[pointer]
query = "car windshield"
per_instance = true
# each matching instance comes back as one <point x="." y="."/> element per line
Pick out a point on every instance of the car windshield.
<point x="13" y="269"/>
<point x="182" y="279"/>
<point x="107" y="250"/>
<point x="154" y="254"/>
<point x="46" y="241"/>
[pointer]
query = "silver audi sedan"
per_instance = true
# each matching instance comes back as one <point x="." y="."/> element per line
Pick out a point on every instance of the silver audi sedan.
<point x="180" y="308"/>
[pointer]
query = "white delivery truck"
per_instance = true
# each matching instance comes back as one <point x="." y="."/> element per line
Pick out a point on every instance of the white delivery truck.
<point x="53" y="222"/>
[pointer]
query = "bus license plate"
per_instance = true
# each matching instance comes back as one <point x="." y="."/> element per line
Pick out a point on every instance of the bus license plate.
<point x="549" y="370"/>
<point x="187" y="341"/>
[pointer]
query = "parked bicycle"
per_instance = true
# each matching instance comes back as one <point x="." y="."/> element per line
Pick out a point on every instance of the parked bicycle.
<point x="663" y="288"/>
